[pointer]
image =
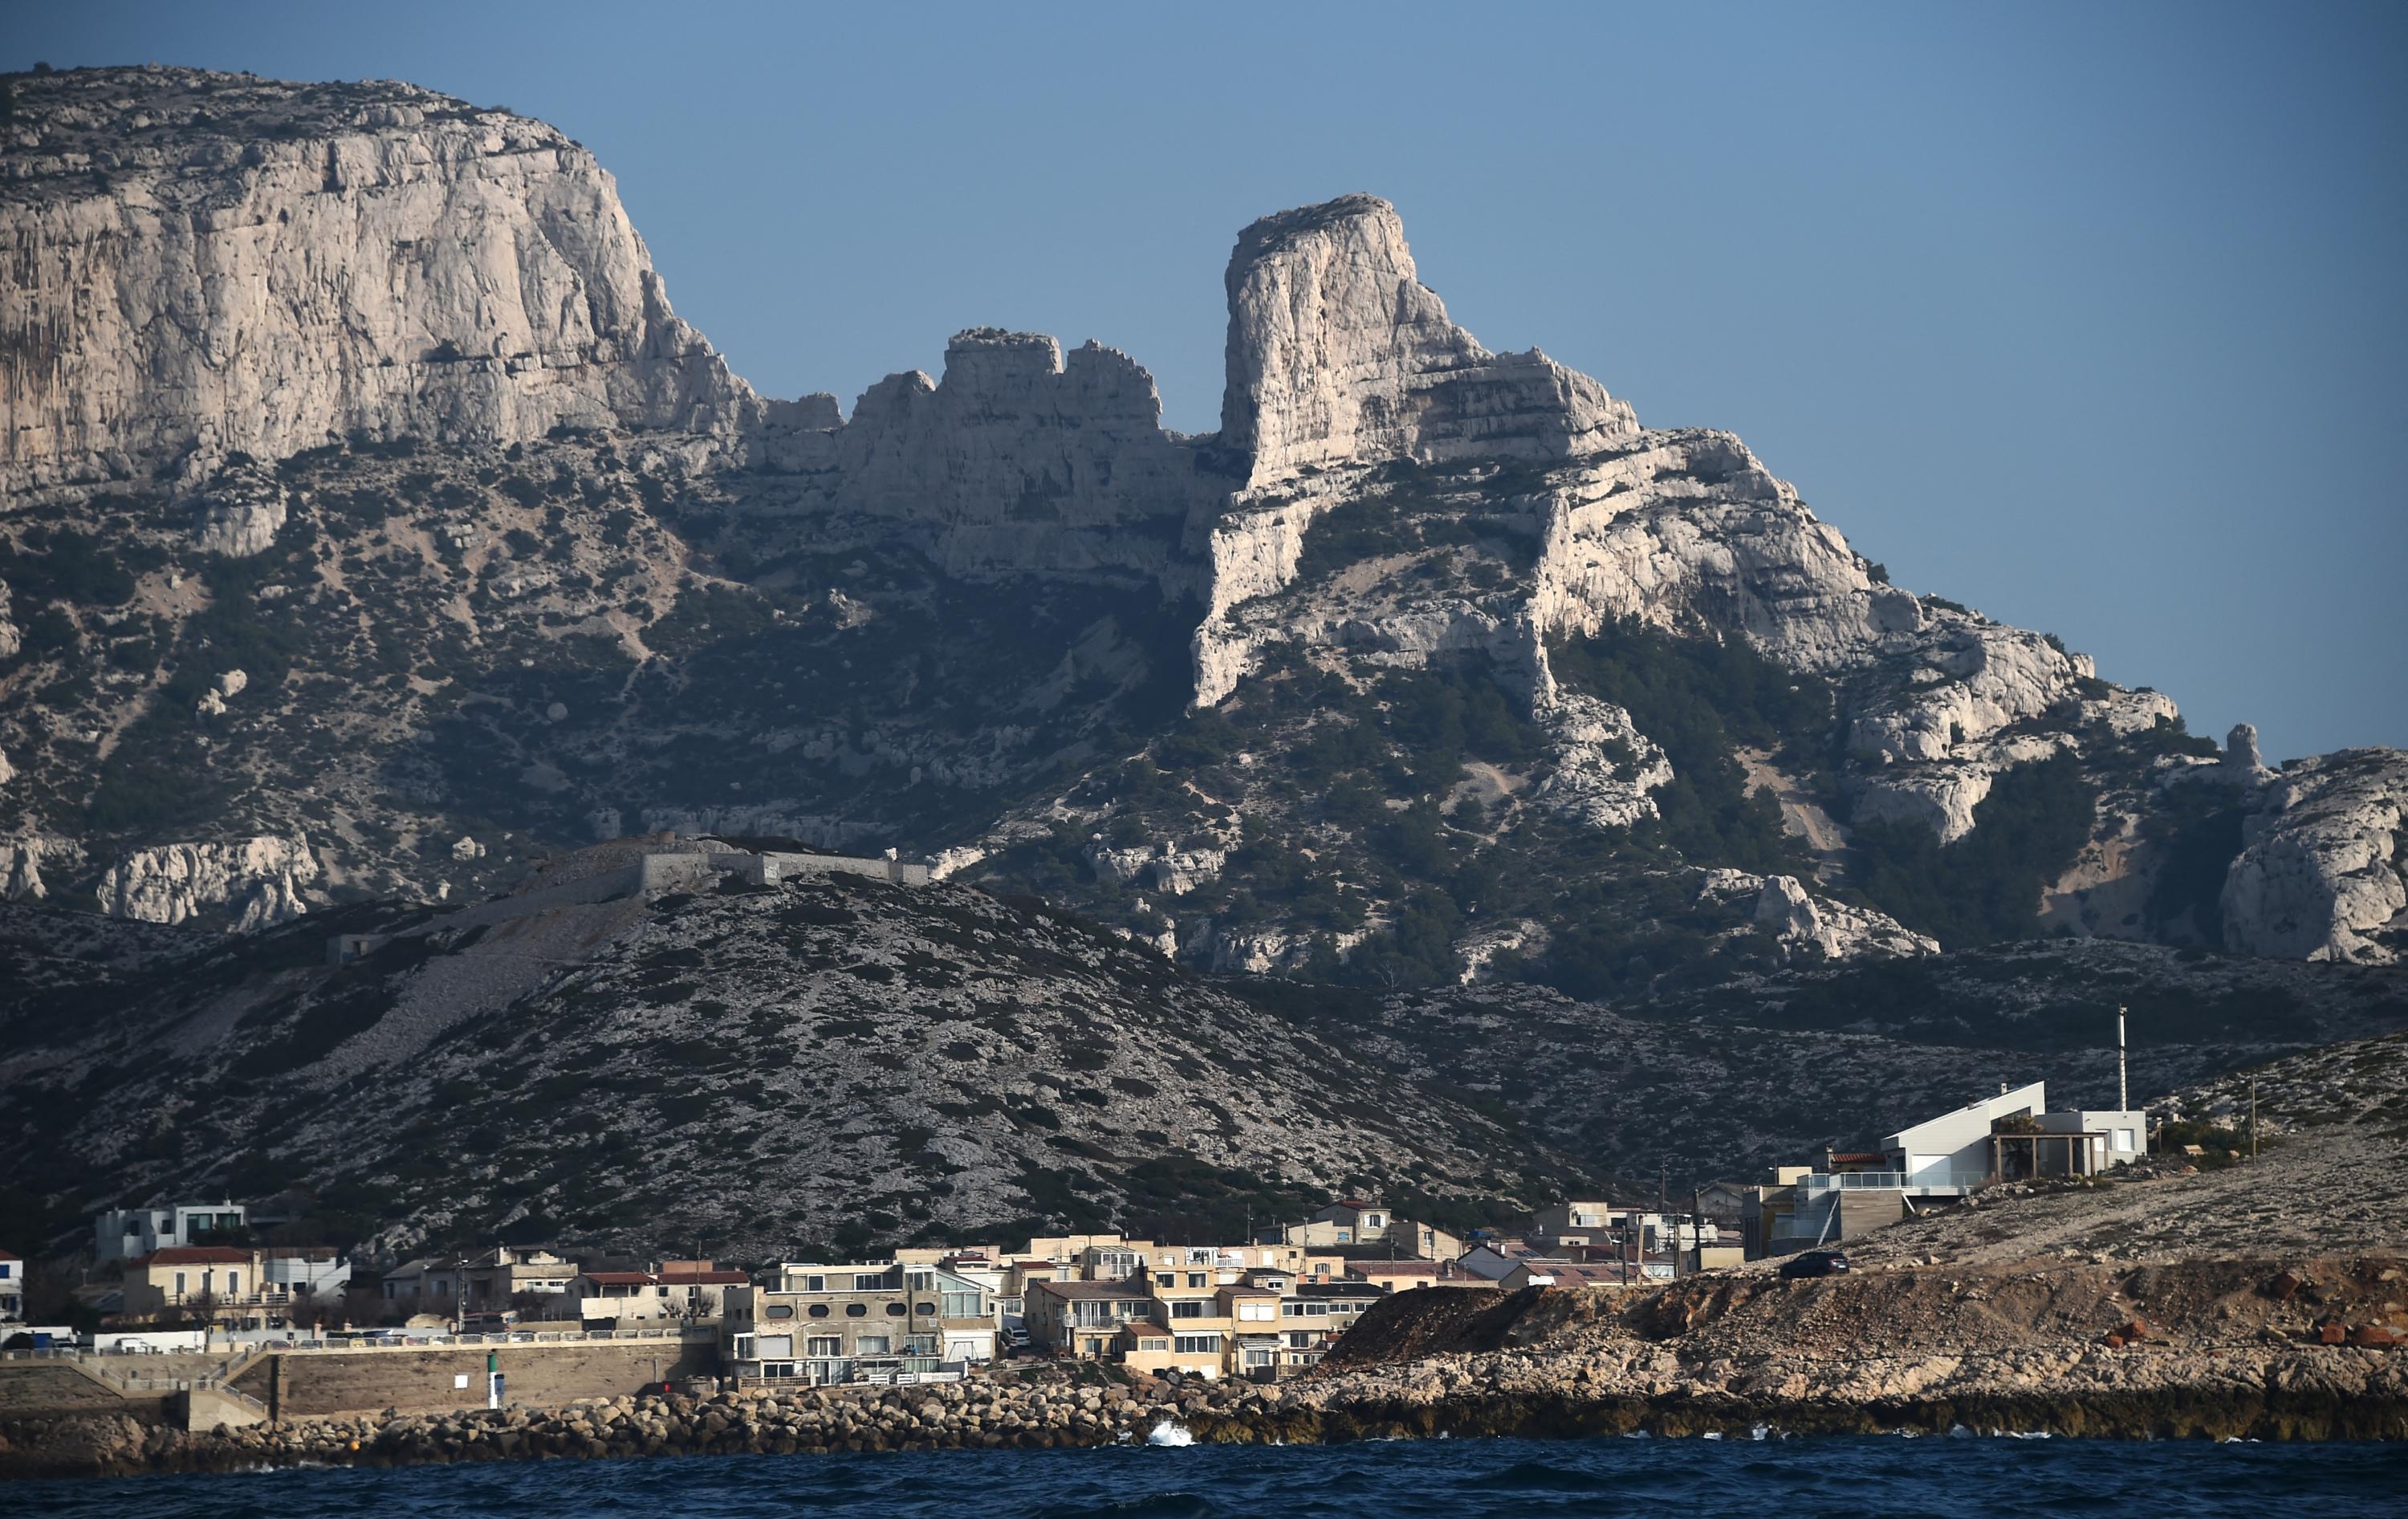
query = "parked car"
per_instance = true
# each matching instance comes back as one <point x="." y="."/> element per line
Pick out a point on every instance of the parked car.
<point x="1815" y="1263"/>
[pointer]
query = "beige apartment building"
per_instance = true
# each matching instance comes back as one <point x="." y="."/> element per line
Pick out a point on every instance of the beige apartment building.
<point x="838" y="1323"/>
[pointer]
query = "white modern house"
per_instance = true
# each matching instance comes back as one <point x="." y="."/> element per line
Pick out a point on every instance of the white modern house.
<point x="129" y="1234"/>
<point x="2010" y="1137"/>
<point x="12" y="1287"/>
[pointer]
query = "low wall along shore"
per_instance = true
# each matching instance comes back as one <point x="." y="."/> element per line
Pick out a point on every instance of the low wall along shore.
<point x="415" y="1379"/>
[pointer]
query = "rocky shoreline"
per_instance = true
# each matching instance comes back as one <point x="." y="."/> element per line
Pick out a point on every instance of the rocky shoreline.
<point x="2307" y="1393"/>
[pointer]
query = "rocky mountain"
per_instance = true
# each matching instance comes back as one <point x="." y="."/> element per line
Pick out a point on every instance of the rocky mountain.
<point x="371" y="532"/>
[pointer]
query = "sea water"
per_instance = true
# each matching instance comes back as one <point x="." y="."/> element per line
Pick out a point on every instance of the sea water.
<point x="1793" y="1479"/>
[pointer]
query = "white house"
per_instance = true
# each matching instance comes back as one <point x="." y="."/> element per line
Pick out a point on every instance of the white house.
<point x="1951" y="1153"/>
<point x="129" y="1234"/>
<point x="12" y="1287"/>
<point x="315" y="1269"/>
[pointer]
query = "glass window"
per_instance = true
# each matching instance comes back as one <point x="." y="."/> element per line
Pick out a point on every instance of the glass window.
<point x="1187" y="1308"/>
<point x="868" y="1280"/>
<point x="923" y="1308"/>
<point x="1196" y="1279"/>
<point x="1197" y="1344"/>
<point x="779" y="1311"/>
<point x="895" y="1310"/>
<point x="872" y="1345"/>
<point x="819" y="1311"/>
<point x="823" y="1346"/>
<point x="857" y="1310"/>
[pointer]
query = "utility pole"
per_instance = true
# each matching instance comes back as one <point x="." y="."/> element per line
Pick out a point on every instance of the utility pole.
<point x="1698" y="1221"/>
<point x="2253" y="1116"/>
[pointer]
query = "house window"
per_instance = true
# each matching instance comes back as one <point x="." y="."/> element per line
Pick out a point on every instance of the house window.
<point x="1259" y="1357"/>
<point x="1196" y="1279"/>
<point x="929" y="1308"/>
<point x="868" y="1280"/>
<point x="1187" y="1308"/>
<point x="819" y="1311"/>
<point x="857" y="1310"/>
<point x="895" y="1310"/>
<point x="824" y="1347"/>
<point x="1091" y="1313"/>
<point x="814" y="1284"/>
<point x="782" y="1311"/>
<point x="233" y="1283"/>
<point x="872" y="1345"/>
<point x="778" y="1345"/>
<point x="1197" y="1344"/>
<point x="179" y="1283"/>
<point x="962" y="1305"/>
<point x="1257" y="1310"/>
<point x="2123" y="1140"/>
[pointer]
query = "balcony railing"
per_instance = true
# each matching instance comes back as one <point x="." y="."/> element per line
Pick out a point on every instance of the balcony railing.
<point x="1926" y="1181"/>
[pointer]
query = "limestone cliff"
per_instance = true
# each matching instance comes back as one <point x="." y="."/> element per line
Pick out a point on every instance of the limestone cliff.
<point x="1340" y="356"/>
<point x="207" y="264"/>
<point x="2324" y="873"/>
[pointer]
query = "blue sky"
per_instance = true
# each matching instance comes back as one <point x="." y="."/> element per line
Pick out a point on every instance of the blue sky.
<point x="2089" y="316"/>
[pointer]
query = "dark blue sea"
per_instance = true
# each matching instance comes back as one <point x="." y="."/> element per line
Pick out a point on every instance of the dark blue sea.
<point x="1775" y="1479"/>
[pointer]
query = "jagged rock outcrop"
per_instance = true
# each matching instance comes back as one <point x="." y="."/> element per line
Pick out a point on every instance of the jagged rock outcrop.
<point x="11" y="638"/>
<point x="1021" y="459"/>
<point x="2322" y="873"/>
<point x="241" y="513"/>
<point x="20" y="870"/>
<point x="1604" y="766"/>
<point x="253" y="881"/>
<point x="214" y="264"/>
<point x="1833" y="930"/>
<point x="1337" y="355"/>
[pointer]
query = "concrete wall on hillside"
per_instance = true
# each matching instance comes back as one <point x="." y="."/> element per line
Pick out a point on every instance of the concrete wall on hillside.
<point x="300" y="1384"/>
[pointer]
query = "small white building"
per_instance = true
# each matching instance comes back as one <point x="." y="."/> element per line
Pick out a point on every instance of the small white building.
<point x="12" y="1287"/>
<point x="316" y="1270"/>
<point x="129" y="1234"/>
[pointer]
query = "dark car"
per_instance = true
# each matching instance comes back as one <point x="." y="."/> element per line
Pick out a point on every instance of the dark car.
<point x="1815" y="1263"/>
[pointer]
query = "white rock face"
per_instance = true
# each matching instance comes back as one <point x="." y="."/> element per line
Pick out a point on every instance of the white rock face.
<point x="233" y="683"/>
<point x="257" y="882"/>
<point x="210" y="263"/>
<point x="11" y="638"/>
<point x="21" y="868"/>
<point x="1161" y="867"/>
<point x="1834" y="930"/>
<point x="1479" y="951"/>
<point x="1339" y="355"/>
<point x="1604" y="766"/>
<point x="2323" y="871"/>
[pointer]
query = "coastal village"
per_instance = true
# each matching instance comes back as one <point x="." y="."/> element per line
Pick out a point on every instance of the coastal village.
<point x="194" y="1281"/>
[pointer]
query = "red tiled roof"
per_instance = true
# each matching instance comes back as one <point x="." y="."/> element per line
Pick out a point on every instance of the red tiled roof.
<point x="621" y="1279"/>
<point x="198" y="1255"/>
<point x="10" y="1256"/>
<point x="1392" y="1267"/>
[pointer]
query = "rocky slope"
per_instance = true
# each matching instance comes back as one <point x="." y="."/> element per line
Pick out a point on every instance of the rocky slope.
<point x="427" y="419"/>
<point x="766" y="1069"/>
